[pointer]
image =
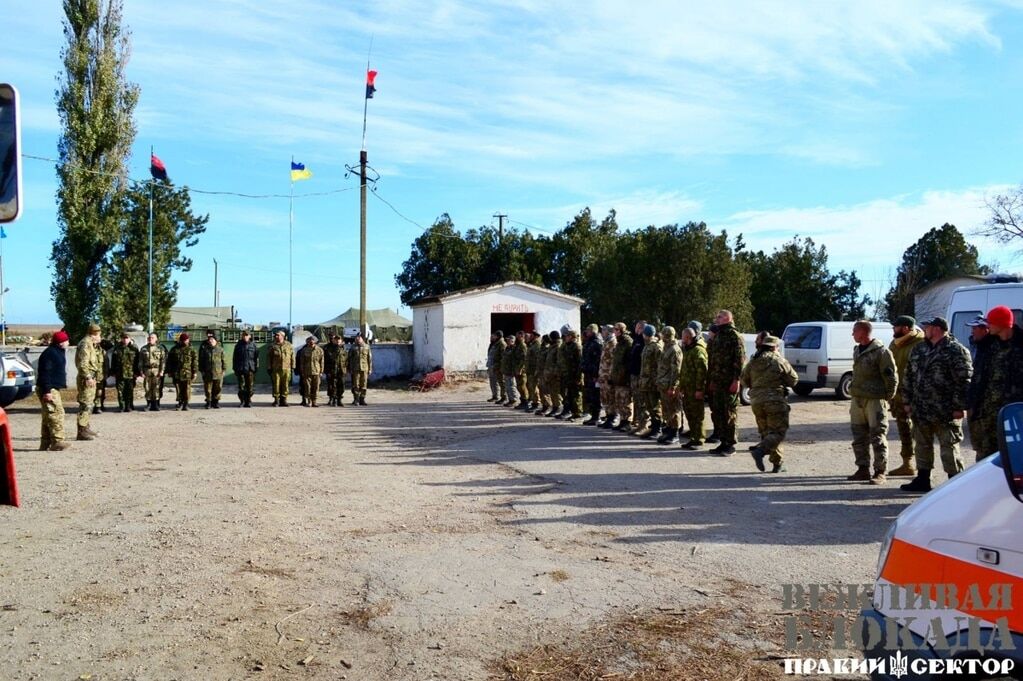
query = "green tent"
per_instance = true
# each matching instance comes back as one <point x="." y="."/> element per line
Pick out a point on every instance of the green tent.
<point x="386" y="325"/>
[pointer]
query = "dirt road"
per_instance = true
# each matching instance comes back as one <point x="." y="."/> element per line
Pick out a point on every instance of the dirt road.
<point x="423" y="536"/>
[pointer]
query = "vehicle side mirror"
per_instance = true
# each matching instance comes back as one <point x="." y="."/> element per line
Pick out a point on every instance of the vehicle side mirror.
<point x="10" y="155"/>
<point x="1010" y="445"/>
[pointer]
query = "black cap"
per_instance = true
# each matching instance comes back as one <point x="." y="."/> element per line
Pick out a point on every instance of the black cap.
<point x="499" y="333"/>
<point x="939" y="322"/>
<point x="980" y="320"/>
<point x="555" y="335"/>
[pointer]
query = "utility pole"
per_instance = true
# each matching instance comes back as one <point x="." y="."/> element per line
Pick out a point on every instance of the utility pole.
<point x="216" y="300"/>
<point x="362" y="233"/>
<point x="500" y="225"/>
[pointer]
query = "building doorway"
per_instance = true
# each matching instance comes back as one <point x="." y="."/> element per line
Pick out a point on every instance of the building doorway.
<point x="510" y="323"/>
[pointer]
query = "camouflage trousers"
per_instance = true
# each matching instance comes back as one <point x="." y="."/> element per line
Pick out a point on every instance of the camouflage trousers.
<point x="648" y="405"/>
<point x="905" y="425"/>
<point x="126" y="393"/>
<point x="336" y="385"/>
<point x="520" y="386"/>
<point x="212" y="388"/>
<point x="496" y="384"/>
<point x="554" y="391"/>
<point x="724" y="408"/>
<point x="869" y="421"/>
<point x="245" y="381"/>
<point x="949" y="435"/>
<point x="607" y="398"/>
<point x="984" y="434"/>
<point x="360" y="379"/>
<point x="533" y="388"/>
<point x="623" y="402"/>
<point x="152" y="384"/>
<point x="311" y="386"/>
<point x="280" y="384"/>
<point x="572" y="395"/>
<point x="772" y="424"/>
<point x="53" y="418"/>
<point x="183" y="390"/>
<point x="694" y="410"/>
<point x="86" y="401"/>
<point x="671" y="408"/>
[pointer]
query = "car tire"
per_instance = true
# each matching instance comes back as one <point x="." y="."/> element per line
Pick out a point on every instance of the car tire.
<point x="802" y="389"/>
<point x="842" y="391"/>
<point x="744" y="396"/>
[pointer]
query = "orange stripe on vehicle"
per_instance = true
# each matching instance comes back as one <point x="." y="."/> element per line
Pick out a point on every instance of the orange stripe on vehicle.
<point x="911" y="565"/>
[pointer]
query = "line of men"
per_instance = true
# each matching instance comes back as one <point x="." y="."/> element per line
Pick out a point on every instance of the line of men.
<point x="152" y="364"/>
<point x="648" y="383"/>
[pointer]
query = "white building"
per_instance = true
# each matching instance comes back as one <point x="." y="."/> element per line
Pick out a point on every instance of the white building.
<point x="453" y="330"/>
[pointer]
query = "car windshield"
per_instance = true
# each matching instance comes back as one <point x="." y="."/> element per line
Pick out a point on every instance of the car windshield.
<point x="802" y="337"/>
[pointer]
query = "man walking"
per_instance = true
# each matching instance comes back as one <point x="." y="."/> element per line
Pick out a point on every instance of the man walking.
<point x="691" y="382"/>
<point x="519" y="355"/>
<point x="183" y="366"/>
<point x="212" y="365"/>
<point x="89" y="363"/>
<point x="495" y="354"/>
<point x="310" y="368"/>
<point x="593" y="348"/>
<point x="668" y="369"/>
<point x="937" y="380"/>
<point x="905" y="337"/>
<point x="360" y="363"/>
<point x="335" y="365"/>
<point x="553" y="366"/>
<point x="150" y="364"/>
<point x="767" y="375"/>
<point x="245" y="363"/>
<point x="997" y="379"/>
<point x="122" y="368"/>
<point x="726" y="356"/>
<point x="508" y="373"/>
<point x="51" y="378"/>
<point x="544" y="376"/>
<point x="281" y="361"/>
<point x="875" y="379"/>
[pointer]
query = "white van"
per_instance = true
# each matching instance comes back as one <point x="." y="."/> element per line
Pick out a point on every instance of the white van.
<point x="969" y="301"/>
<point x="822" y="354"/>
<point x="950" y="572"/>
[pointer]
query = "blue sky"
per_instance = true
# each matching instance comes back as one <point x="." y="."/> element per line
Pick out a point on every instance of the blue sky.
<point x="859" y="124"/>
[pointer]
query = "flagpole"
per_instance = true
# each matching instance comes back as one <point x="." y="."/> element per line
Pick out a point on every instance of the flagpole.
<point x="151" y="182"/>
<point x="291" y="230"/>
<point x="363" y="156"/>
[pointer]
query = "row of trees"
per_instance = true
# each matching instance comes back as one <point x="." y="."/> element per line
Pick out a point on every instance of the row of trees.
<point x="100" y="259"/>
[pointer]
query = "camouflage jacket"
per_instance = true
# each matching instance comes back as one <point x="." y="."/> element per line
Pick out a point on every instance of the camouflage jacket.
<point x="570" y="357"/>
<point x="874" y="373"/>
<point x="937" y="380"/>
<point x="122" y="361"/>
<point x="651" y="359"/>
<point x="182" y="363"/>
<point x="212" y="363"/>
<point x="606" y="359"/>
<point x="360" y="359"/>
<point x="510" y="365"/>
<point x="900" y="349"/>
<point x="312" y="361"/>
<point x="89" y="359"/>
<point x="766" y="375"/>
<point x="280" y="357"/>
<point x="335" y="359"/>
<point x="670" y="364"/>
<point x="726" y="356"/>
<point x="692" y="377"/>
<point x="494" y="354"/>
<point x="534" y="357"/>
<point x="620" y="361"/>
<point x="551" y="363"/>
<point x="151" y="360"/>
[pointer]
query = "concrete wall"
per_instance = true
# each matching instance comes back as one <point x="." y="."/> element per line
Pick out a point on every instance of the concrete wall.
<point x="428" y="336"/>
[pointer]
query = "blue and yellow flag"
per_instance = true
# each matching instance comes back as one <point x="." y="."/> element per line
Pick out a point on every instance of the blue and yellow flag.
<point x="298" y="172"/>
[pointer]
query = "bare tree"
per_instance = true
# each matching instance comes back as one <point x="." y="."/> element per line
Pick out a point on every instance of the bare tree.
<point x="1006" y="221"/>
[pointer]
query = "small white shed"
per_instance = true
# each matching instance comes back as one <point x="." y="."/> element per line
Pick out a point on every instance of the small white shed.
<point x="452" y="330"/>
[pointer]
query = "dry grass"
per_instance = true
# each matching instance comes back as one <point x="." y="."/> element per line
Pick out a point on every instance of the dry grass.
<point x="361" y="617"/>
<point x="687" y="645"/>
<point x="558" y="575"/>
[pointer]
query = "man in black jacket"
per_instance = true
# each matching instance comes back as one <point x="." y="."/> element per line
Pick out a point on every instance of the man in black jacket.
<point x="51" y="379"/>
<point x="997" y="379"/>
<point x="635" y="367"/>
<point x="245" y="362"/>
<point x="593" y="346"/>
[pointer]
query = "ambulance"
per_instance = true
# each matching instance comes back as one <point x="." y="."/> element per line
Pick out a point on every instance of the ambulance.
<point x="948" y="599"/>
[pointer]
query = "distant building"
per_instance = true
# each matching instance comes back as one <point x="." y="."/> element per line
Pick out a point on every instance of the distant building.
<point x="201" y="316"/>
<point x="452" y="330"/>
<point x="932" y="300"/>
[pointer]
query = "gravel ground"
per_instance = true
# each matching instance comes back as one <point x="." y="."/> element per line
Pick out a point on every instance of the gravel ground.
<point x="422" y="536"/>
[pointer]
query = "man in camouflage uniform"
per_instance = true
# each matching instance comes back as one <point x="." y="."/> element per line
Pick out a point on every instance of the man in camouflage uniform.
<point x="245" y="363"/>
<point x="335" y="364"/>
<point x="569" y="363"/>
<point x="213" y="366"/>
<point x="649" y="401"/>
<point x="281" y="362"/>
<point x="533" y="351"/>
<point x="905" y="336"/>
<point x="542" y="377"/>
<point x="89" y="363"/>
<point x="360" y="364"/>
<point x="150" y="364"/>
<point x="607" y="390"/>
<point x="767" y="375"/>
<point x="552" y="366"/>
<point x="309" y="369"/>
<point x="692" y="380"/>
<point x="621" y="380"/>
<point x="593" y="347"/>
<point x="100" y="404"/>
<point x="937" y="380"/>
<point x="520" y="354"/>
<point x="508" y="373"/>
<point x="997" y="379"/>
<point x="122" y="368"/>
<point x="668" y="368"/>
<point x="495" y="353"/>
<point x="182" y="367"/>
<point x="726" y="355"/>
<point x="875" y="379"/>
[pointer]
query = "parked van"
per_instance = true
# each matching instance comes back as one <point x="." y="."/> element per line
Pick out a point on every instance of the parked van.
<point x="749" y="342"/>
<point x="955" y="557"/>
<point x="969" y="301"/>
<point x="822" y="354"/>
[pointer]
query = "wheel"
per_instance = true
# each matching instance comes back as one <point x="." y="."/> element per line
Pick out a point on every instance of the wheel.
<point x="744" y="396"/>
<point x="842" y="391"/>
<point x="803" y="389"/>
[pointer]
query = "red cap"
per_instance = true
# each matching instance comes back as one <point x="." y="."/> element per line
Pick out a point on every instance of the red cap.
<point x="183" y="337"/>
<point x="61" y="337"/>
<point x="1000" y="316"/>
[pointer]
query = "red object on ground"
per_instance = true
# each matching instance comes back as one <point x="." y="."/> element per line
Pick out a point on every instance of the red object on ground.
<point x="8" y="477"/>
<point x="430" y="380"/>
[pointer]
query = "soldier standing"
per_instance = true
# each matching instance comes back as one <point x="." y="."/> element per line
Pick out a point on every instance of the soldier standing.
<point x="937" y="380"/>
<point x="335" y="364"/>
<point x="570" y="373"/>
<point x="767" y="375"/>
<point x="360" y="363"/>
<point x="212" y="365"/>
<point x="607" y="391"/>
<point x="649" y="400"/>
<point x="553" y="366"/>
<point x="100" y="404"/>
<point x="183" y="367"/>
<point x="149" y="364"/>
<point x="495" y="353"/>
<point x="692" y="379"/>
<point x="89" y="362"/>
<point x="996" y="379"/>
<point x="298" y="367"/>
<point x="726" y="356"/>
<point x="508" y="373"/>
<point x="281" y="361"/>
<point x="668" y="368"/>
<point x="245" y="362"/>
<point x="543" y="376"/>
<point x="875" y="380"/>
<point x="533" y="353"/>
<point x="122" y="368"/>
<point x="593" y="349"/>
<point x="621" y="379"/>
<point x="51" y="378"/>
<point x="635" y="369"/>
<point x="905" y="336"/>
<point x="519" y="354"/>
<point x="310" y="368"/>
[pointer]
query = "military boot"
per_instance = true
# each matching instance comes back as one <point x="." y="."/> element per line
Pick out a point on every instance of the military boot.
<point x="608" y="422"/>
<point x="905" y="470"/>
<point x="862" y="474"/>
<point x="59" y="445"/>
<point x="305" y="402"/>
<point x="921" y="483"/>
<point x="207" y="404"/>
<point x="84" y="434"/>
<point x="362" y="400"/>
<point x="692" y="445"/>
<point x="184" y="406"/>
<point x="778" y="468"/>
<point x="96" y="409"/>
<point x="654" y="431"/>
<point x="713" y="438"/>
<point x="758" y="455"/>
<point x="879" y="478"/>
<point x="668" y="437"/>
<point x="215" y="404"/>
<point x="90" y="431"/>
<point x="623" y="426"/>
<point x="44" y="443"/>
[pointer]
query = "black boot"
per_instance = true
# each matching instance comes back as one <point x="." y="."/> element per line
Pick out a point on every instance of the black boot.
<point x="362" y="400"/>
<point x="215" y="404"/>
<point x="921" y="483"/>
<point x="207" y="404"/>
<point x="758" y="455"/>
<point x="668" y="437"/>
<point x="655" y="429"/>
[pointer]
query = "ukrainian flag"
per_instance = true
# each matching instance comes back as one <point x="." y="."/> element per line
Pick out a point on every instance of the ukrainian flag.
<point x="298" y="172"/>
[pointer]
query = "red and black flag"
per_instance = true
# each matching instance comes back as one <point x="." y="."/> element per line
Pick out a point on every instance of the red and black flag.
<point x="156" y="168"/>
<point x="370" y="87"/>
